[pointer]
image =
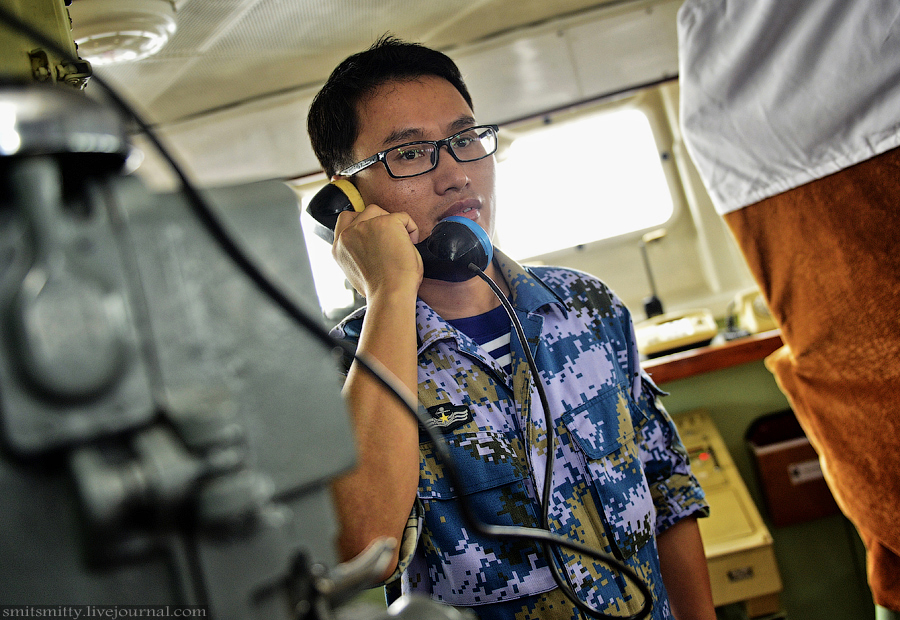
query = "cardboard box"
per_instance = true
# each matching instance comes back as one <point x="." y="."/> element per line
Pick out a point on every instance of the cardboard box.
<point x="788" y="470"/>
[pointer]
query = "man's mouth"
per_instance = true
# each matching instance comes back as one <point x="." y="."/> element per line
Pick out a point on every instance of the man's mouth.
<point x="469" y="209"/>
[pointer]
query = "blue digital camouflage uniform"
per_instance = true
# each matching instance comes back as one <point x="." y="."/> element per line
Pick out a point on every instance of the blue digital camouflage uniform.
<point x="620" y="477"/>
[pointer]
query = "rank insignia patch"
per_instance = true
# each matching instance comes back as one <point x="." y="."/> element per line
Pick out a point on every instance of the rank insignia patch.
<point x="447" y="418"/>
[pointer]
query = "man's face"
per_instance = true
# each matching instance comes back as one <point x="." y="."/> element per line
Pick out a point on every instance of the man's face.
<point x="427" y="108"/>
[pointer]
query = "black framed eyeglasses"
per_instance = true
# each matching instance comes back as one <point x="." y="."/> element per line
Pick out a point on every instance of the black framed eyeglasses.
<point x="415" y="158"/>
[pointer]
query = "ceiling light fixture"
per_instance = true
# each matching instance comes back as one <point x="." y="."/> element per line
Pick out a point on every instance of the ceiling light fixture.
<point x="115" y="31"/>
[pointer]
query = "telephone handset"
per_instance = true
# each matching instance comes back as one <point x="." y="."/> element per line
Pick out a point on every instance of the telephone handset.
<point x="454" y="243"/>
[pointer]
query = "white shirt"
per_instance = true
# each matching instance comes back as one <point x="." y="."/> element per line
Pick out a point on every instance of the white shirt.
<point x="777" y="93"/>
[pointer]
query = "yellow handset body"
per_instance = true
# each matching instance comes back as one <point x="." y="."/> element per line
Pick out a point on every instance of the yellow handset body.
<point x="351" y="192"/>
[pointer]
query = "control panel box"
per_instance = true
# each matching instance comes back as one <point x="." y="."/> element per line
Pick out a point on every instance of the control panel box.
<point x="739" y="551"/>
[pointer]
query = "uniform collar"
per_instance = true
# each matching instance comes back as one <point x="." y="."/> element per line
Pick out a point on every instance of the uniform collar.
<point x="528" y="293"/>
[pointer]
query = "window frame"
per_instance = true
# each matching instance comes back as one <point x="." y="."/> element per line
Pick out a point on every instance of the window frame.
<point x="651" y="104"/>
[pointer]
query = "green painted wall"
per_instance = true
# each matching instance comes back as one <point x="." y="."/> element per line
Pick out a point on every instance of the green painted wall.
<point x="822" y="562"/>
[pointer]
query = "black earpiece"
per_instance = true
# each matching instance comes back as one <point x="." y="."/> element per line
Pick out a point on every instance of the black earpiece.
<point x="329" y="202"/>
<point x="454" y="243"/>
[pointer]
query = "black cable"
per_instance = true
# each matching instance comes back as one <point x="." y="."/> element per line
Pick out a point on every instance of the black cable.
<point x="563" y="585"/>
<point x="233" y="251"/>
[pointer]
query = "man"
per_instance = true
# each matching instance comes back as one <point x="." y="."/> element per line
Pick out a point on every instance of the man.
<point x="621" y="480"/>
<point x="791" y="111"/>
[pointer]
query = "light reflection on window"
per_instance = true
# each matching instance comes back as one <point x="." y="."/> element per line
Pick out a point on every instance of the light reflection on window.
<point x="580" y="181"/>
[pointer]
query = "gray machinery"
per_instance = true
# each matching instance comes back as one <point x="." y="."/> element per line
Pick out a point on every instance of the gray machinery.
<point x="167" y="433"/>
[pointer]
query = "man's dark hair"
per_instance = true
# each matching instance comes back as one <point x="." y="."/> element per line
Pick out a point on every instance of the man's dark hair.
<point x="332" y="123"/>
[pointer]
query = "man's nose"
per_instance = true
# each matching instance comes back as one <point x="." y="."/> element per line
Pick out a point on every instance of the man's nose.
<point x="450" y="173"/>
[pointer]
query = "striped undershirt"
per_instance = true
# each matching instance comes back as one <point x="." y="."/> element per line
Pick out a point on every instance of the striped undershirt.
<point x="491" y="331"/>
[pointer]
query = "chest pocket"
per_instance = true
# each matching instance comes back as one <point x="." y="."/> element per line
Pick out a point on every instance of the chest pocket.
<point x="603" y="431"/>
<point x="463" y="567"/>
<point x="484" y="459"/>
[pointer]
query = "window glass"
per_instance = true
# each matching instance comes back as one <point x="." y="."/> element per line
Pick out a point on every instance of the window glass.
<point x="331" y="285"/>
<point x="574" y="182"/>
<point x="559" y="186"/>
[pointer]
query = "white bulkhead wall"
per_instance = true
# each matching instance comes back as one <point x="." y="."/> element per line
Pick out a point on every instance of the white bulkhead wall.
<point x="516" y="76"/>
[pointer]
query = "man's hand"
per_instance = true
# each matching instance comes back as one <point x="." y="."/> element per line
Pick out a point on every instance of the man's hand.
<point x="376" y="251"/>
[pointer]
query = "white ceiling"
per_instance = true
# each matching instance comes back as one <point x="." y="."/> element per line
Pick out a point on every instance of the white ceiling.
<point x="229" y="51"/>
<point x="229" y="92"/>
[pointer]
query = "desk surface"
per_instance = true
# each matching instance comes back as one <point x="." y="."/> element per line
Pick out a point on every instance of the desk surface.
<point x="715" y="357"/>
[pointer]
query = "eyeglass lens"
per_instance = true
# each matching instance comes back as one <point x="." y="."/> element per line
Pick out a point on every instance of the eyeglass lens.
<point x="418" y="157"/>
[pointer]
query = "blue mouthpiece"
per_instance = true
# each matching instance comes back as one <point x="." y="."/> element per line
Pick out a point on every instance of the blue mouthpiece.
<point x="454" y="244"/>
<point x="480" y="234"/>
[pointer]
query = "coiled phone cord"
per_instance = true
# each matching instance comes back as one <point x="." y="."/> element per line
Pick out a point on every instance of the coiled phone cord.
<point x="555" y="571"/>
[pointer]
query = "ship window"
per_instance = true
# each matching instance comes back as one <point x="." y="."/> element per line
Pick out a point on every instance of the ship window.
<point x="570" y="183"/>
<point x="562" y="185"/>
